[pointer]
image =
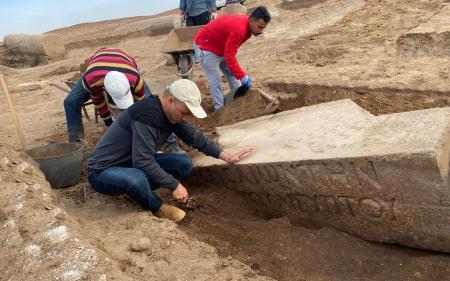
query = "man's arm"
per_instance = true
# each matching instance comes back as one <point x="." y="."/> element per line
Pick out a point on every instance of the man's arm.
<point x="139" y="91"/>
<point x="232" y="45"/>
<point x="193" y="137"/>
<point x="143" y="155"/>
<point x="99" y="101"/>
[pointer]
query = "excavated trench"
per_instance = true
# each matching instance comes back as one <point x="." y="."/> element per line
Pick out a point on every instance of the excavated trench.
<point x="240" y="227"/>
<point x="376" y="101"/>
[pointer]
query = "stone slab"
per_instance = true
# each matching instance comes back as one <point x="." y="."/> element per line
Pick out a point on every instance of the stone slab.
<point x="383" y="178"/>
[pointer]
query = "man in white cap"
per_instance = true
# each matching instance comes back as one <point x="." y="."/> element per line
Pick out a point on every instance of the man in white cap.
<point x="125" y="159"/>
<point x="118" y="87"/>
<point x="114" y="71"/>
<point x="124" y="77"/>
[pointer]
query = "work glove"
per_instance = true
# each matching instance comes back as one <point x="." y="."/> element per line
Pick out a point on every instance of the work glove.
<point x="246" y="81"/>
<point x="214" y="15"/>
<point x="108" y="121"/>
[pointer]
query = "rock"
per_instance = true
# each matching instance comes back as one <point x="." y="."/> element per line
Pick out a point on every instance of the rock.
<point x="4" y="163"/>
<point x="169" y="60"/>
<point x="141" y="245"/>
<point x="23" y="168"/>
<point x="165" y="244"/>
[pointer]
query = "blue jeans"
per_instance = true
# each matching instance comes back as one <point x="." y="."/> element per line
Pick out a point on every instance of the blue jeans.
<point x="134" y="183"/>
<point x="72" y="106"/>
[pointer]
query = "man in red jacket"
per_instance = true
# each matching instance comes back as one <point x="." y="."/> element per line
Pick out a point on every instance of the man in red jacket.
<point x="216" y="46"/>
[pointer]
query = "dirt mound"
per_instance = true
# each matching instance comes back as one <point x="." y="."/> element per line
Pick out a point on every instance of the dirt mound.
<point x="320" y="56"/>
<point x="17" y="60"/>
<point x="431" y="37"/>
<point x="41" y="239"/>
<point x="377" y="101"/>
<point x="419" y="44"/>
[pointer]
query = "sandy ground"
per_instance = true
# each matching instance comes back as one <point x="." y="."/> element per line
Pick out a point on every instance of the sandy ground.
<point x="312" y="52"/>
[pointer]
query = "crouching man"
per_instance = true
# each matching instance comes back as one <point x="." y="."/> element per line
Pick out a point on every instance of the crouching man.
<point x="125" y="161"/>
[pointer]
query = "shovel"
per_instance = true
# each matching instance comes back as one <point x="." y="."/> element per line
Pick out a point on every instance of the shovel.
<point x="238" y="92"/>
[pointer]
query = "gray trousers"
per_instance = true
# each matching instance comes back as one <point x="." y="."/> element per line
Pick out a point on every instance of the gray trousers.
<point x="211" y="65"/>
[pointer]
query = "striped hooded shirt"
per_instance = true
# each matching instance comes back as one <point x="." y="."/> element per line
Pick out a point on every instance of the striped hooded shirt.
<point x="104" y="61"/>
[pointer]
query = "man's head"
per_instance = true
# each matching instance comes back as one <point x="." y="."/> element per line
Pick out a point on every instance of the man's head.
<point x="259" y="19"/>
<point x="118" y="87"/>
<point x="181" y="100"/>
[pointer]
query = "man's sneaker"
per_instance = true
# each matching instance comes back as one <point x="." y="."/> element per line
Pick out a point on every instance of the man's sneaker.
<point x="170" y="212"/>
<point x="175" y="149"/>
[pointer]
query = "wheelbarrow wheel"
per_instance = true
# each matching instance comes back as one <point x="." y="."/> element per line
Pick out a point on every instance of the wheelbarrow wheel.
<point x="186" y="66"/>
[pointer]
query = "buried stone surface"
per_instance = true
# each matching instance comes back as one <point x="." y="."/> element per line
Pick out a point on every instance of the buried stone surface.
<point x="383" y="178"/>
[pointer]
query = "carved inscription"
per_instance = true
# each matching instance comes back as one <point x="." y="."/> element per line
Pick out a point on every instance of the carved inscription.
<point x="350" y="188"/>
<point x="369" y="208"/>
<point x="331" y="175"/>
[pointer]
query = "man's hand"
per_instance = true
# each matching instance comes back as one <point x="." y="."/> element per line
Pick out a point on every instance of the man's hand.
<point x="246" y="81"/>
<point x="108" y="122"/>
<point x="236" y="157"/>
<point x="214" y="15"/>
<point x="180" y="194"/>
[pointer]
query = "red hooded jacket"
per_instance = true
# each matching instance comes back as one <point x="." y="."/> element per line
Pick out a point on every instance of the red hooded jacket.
<point x="223" y="37"/>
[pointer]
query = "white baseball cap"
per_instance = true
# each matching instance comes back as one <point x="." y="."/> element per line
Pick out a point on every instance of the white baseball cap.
<point x="118" y="87"/>
<point x="187" y="91"/>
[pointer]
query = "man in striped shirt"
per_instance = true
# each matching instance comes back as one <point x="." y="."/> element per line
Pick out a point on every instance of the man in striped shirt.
<point x="91" y="86"/>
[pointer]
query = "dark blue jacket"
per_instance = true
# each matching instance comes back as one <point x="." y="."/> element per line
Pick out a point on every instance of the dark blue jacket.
<point x="135" y="137"/>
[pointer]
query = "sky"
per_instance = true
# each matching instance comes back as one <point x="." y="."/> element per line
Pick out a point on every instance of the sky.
<point x="38" y="16"/>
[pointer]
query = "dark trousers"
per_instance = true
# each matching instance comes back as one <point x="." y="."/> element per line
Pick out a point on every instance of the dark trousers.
<point x="201" y="19"/>
<point x="134" y="183"/>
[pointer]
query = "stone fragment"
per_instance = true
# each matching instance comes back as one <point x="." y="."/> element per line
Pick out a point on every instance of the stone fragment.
<point x="141" y="245"/>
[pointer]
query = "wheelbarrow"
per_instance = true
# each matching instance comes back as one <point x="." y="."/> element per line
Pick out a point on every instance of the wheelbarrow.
<point x="180" y="45"/>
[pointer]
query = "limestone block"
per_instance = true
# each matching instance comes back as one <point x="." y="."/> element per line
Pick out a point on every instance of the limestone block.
<point x="49" y="44"/>
<point x="234" y="8"/>
<point x="383" y="178"/>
